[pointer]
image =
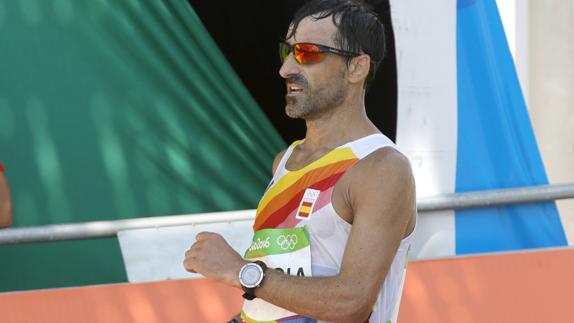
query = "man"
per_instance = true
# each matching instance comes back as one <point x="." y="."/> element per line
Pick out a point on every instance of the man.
<point x="5" y="201"/>
<point x="334" y="226"/>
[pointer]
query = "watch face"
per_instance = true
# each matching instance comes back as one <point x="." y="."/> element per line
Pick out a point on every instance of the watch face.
<point x="251" y="275"/>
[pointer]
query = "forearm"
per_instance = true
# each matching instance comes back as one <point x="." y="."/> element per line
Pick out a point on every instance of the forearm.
<point x="5" y="214"/>
<point x="334" y="299"/>
<point x="5" y="203"/>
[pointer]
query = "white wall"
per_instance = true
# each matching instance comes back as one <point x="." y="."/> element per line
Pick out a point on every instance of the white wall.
<point x="551" y="92"/>
<point x="540" y="34"/>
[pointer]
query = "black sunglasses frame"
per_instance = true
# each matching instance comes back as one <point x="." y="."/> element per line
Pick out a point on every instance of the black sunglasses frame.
<point x="322" y="49"/>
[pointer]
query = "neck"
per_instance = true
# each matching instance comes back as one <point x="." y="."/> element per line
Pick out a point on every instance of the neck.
<point x="344" y="123"/>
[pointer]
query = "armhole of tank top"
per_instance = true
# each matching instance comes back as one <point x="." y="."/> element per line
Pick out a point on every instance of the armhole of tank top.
<point x="360" y="153"/>
<point x="347" y="225"/>
<point x="377" y="144"/>
<point x="281" y="166"/>
<point x="412" y="233"/>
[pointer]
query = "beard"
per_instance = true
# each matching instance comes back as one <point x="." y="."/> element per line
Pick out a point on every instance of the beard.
<point x="315" y="101"/>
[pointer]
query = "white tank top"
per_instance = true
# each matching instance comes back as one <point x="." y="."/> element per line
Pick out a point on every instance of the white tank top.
<point x="303" y="198"/>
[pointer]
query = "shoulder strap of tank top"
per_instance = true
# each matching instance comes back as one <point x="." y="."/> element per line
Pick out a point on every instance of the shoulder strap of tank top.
<point x="364" y="146"/>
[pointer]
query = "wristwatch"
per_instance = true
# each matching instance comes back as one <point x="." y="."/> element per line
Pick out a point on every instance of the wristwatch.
<point x="251" y="276"/>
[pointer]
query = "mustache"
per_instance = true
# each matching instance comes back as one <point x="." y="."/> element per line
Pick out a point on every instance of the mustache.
<point x="297" y="79"/>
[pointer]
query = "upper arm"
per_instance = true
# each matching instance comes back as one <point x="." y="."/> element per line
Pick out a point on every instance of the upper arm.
<point x="5" y="203"/>
<point x="382" y="198"/>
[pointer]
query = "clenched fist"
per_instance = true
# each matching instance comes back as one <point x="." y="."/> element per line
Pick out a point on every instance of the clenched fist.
<point x="214" y="258"/>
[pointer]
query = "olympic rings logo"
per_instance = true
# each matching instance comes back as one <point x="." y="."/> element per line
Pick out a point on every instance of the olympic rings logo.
<point x="287" y="242"/>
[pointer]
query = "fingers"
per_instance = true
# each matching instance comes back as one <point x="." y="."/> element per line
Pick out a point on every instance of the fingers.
<point x="205" y="245"/>
<point x="190" y="257"/>
<point x="203" y="236"/>
<point x="190" y="261"/>
<point x="194" y="255"/>
<point x="189" y="264"/>
<point x="207" y="235"/>
<point x="198" y="245"/>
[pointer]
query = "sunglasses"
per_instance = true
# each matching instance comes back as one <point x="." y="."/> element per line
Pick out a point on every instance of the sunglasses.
<point x="309" y="53"/>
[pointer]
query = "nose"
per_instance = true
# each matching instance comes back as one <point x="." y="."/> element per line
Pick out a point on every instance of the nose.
<point x="289" y="67"/>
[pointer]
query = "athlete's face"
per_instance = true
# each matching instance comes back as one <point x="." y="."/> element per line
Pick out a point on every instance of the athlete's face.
<point x="313" y="89"/>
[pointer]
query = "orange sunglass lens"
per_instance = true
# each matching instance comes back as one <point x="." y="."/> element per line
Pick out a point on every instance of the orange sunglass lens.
<point x="307" y="53"/>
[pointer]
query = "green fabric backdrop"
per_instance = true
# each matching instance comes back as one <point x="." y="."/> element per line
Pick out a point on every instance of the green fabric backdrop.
<point x="118" y="109"/>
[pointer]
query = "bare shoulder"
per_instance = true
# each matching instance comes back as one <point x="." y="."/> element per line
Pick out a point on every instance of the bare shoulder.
<point x="277" y="160"/>
<point x="383" y="166"/>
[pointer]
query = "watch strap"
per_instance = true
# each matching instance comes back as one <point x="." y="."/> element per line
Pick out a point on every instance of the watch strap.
<point x="249" y="293"/>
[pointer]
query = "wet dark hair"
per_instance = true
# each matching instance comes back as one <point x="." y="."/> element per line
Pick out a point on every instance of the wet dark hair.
<point x="358" y="28"/>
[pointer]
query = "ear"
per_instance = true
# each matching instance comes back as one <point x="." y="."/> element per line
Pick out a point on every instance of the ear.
<point x="359" y="68"/>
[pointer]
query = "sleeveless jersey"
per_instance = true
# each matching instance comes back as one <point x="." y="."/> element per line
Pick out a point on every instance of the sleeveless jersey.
<point x="303" y="198"/>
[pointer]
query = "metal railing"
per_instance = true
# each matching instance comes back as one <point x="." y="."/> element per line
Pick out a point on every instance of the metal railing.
<point x="520" y="195"/>
<point x="107" y="229"/>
